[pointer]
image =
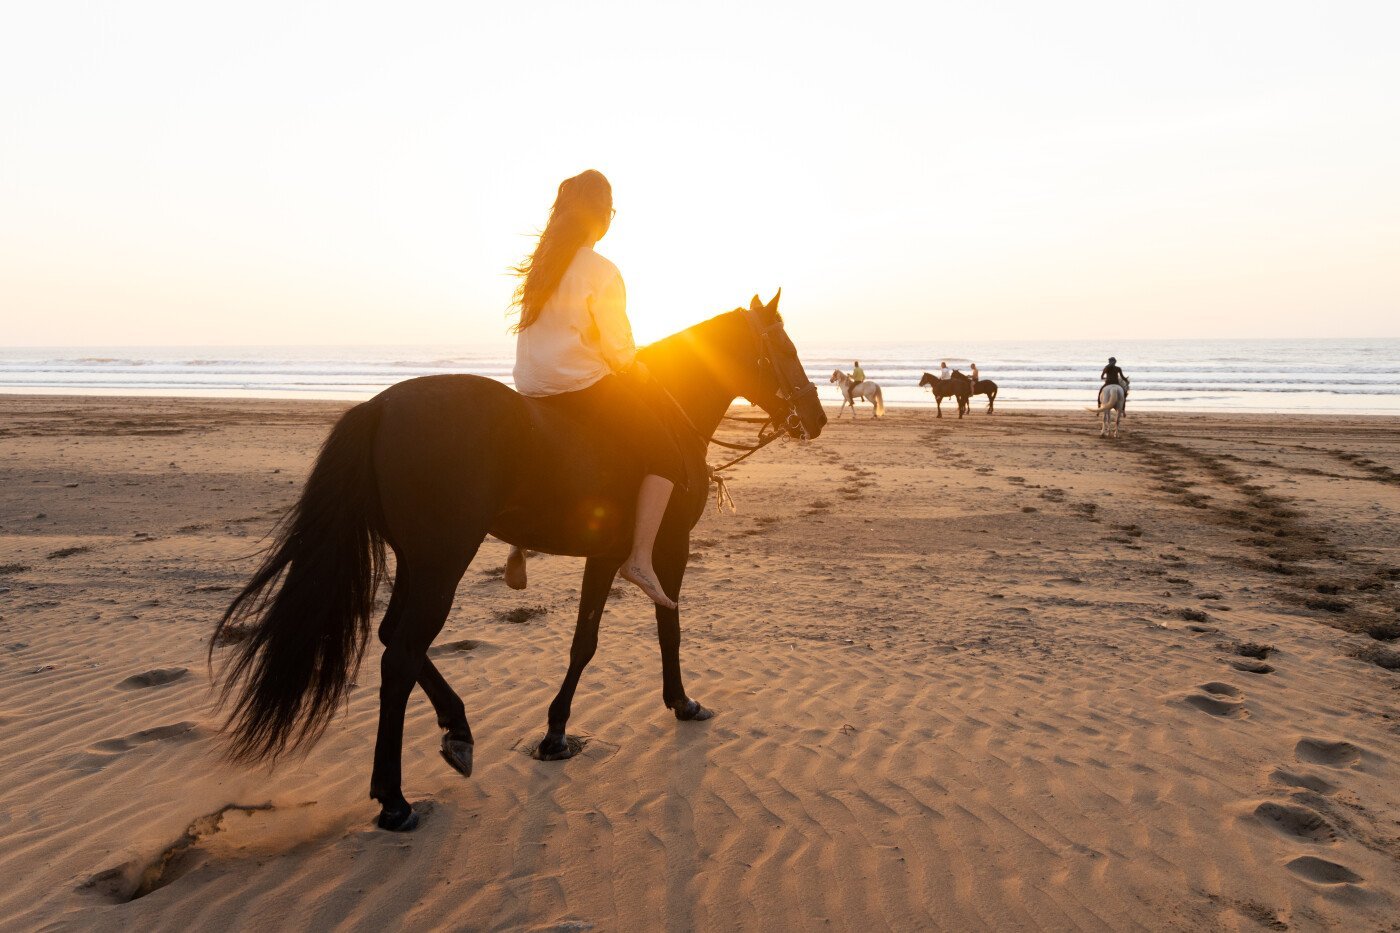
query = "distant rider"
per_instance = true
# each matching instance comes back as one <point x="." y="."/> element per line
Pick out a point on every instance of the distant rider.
<point x="857" y="375"/>
<point x="974" y="375"/>
<point x="1112" y="375"/>
<point x="945" y="373"/>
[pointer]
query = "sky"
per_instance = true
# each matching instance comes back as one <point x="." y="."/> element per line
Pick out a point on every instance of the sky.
<point x="290" y="173"/>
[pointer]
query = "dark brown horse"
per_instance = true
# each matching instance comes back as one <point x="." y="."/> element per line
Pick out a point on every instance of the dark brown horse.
<point x="430" y="467"/>
<point x="988" y="388"/>
<point x="959" y="385"/>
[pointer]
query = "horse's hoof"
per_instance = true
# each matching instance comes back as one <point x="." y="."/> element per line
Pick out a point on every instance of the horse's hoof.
<point x="692" y="711"/>
<point x="398" y="821"/>
<point x="458" y="755"/>
<point x="557" y="747"/>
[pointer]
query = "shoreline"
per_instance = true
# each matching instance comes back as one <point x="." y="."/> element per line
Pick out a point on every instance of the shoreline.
<point x="979" y="404"/>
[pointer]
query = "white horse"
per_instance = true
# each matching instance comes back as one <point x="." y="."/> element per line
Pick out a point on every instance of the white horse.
<point x="1111" y="398"/>
<point x="866" y="390"/>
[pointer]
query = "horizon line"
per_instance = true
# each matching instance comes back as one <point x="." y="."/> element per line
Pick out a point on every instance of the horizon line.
<point x="858" y="342"/>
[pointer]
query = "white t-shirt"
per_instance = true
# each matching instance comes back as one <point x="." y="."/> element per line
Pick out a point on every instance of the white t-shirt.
<point x="945" y="373"/>
<point x="582" y="333"/>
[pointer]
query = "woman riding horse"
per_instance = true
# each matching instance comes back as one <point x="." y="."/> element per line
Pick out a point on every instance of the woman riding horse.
<point x="429" y="467"/>
<point x="574" y="345"/>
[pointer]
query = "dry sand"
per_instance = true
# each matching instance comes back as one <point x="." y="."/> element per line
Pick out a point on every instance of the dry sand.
<point x="994" y="673"/>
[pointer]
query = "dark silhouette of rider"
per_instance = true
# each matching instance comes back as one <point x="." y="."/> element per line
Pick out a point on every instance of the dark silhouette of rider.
<point x="1113" y="375"/>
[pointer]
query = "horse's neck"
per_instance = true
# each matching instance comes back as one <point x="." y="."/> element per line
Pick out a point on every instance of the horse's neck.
<point x="683" y="373"/>
<point x="705" y="409"/>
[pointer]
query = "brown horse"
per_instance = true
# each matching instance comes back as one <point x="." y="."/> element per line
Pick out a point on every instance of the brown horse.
<point x="959" y="385"/>
<point x="430" y="467"/>
<point x="988" y="388"/>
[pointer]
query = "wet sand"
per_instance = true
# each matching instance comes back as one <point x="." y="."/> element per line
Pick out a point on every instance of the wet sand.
<point x="985" y="673"/>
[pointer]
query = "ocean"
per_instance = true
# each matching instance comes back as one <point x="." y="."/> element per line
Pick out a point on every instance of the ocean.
<point x="1344" y="376"/>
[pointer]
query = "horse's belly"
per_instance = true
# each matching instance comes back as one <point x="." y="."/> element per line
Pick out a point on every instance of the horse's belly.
<point x="463" y="453"/>
<point x="568" y="505"/>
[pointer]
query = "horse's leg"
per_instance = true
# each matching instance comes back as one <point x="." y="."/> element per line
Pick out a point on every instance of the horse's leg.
<point x="938" y="400"/>
<point x="598" y="574"/>
<point x="457" y="740"/>
<point x="422" y="598"/>
<point x="671" y="558"/>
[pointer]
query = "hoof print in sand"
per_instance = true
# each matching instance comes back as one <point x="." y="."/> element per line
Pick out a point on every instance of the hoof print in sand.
<point x="100" y="754"/>
<point x="1320" y="871"/>
<point x="1333" y="754"/>
<point x="1252" y="667"/>
<point x="1217" y="699"/>
<point x="1295" y="822"/>
<point x="455" y="648"/>
<point x="1226" y="709"/>
<point x="573" y="745"/>
<point x="154" y="678"/>
<point x="1312" y="782"/>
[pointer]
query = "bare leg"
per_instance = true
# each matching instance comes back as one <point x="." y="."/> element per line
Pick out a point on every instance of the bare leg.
<point x="515" y="568"/>
<point x="651" y="507"/>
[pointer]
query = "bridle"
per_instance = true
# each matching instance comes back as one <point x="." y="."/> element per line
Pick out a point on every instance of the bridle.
<point x="790" y="392"/>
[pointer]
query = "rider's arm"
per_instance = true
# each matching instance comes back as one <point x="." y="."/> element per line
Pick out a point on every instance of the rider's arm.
<point x="609" y="307"/>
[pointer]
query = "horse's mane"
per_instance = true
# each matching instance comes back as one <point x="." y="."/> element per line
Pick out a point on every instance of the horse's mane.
<point x="686" y="342"/>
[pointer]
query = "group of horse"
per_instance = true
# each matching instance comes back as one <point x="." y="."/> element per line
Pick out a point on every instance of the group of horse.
<point x="959" y="386"/>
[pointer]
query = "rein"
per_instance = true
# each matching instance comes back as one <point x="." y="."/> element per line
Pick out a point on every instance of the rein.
<point x="722" y="496"/>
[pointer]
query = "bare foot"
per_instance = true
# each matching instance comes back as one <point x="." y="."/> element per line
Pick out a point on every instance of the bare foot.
<point x="515" y="569"/>
<point x="646" y="581"/>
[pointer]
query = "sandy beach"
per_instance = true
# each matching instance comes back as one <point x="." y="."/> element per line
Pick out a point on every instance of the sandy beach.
<point x="989" y="673"/>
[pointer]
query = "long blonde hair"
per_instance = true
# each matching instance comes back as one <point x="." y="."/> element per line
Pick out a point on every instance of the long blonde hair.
<point x="581" y="214"/>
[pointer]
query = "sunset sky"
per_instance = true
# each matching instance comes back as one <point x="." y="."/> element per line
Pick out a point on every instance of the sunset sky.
<point x="263" y="173"/>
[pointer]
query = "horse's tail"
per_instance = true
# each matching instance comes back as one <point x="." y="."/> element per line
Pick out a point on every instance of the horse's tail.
<point x="305" y="614"/>
<point x="1106" y="406"/>
<point x="879" y="402"/>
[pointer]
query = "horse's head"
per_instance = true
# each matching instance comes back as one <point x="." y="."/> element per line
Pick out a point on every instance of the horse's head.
<point x="927" y="380"/>
<point x="744" y="353"/>
<point x="776" y="380"/>
<point x="836" y="375"/>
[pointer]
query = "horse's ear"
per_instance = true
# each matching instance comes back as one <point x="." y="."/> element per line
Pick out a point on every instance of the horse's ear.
<point x="773" y="305"/>
<point x="755" y="305"/>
